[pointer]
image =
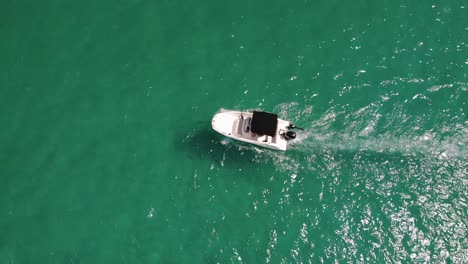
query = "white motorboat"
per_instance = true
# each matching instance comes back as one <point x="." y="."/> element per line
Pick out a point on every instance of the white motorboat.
<point x="255" y="127"/>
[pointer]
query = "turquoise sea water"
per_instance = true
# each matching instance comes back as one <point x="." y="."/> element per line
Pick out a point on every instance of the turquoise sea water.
<point x="107" y="153"/>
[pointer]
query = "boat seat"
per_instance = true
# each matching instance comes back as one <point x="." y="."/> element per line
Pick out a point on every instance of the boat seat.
<point x="273" y="139"/>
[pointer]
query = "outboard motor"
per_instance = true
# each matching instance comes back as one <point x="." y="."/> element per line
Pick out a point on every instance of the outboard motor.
<point x="290" y="135"/>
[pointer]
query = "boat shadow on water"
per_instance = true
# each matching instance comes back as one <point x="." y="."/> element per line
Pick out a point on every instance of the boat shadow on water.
<point x="201" y="142"/>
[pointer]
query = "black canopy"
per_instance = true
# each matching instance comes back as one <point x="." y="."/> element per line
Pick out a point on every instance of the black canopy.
<point x="264" y="123"/>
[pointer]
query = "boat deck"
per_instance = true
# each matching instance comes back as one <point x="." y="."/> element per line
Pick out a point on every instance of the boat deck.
<point x="242" y="128"/>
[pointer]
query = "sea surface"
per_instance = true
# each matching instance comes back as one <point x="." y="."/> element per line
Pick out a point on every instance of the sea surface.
<point x="107" y="153"/>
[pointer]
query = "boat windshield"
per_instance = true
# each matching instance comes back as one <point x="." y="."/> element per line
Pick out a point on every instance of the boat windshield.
<point x="247" y="124"/>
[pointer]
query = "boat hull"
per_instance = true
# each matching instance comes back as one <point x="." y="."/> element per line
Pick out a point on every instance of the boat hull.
<point x="235" y="125"/>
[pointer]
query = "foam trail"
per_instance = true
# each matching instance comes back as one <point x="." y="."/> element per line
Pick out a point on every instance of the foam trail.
<point x="449" y="148"/>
